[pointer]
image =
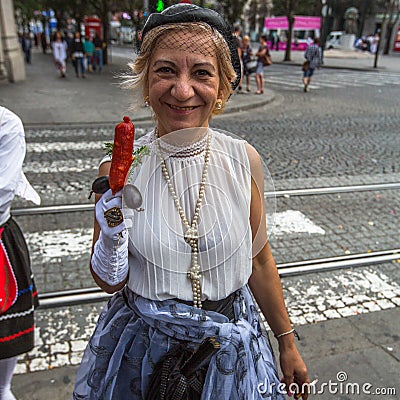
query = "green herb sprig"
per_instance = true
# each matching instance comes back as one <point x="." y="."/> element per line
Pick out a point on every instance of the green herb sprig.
<point x="137" y="154"/>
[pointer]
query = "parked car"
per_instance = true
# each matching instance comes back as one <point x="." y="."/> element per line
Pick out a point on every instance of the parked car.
<point x="333" y="40"/>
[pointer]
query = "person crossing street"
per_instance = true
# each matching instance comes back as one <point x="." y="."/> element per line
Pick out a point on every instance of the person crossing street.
<point x="313" y="56"/>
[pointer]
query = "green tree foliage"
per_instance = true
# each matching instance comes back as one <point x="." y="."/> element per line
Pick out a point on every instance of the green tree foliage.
<point x="233" y="10"/>
<point x="25" y="10"/>
<point x="252" y="14"/>
<point x="300" y="7"/>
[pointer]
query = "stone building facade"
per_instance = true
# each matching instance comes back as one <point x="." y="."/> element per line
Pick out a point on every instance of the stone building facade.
<point x="12" y="65"/>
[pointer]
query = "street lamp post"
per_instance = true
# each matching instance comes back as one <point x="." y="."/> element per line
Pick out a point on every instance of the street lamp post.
<point x="323" y="28"/>
<point x="326" y="14"/>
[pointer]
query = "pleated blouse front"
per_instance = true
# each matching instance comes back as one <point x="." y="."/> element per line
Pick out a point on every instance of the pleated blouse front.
<point x="159" y="257"/>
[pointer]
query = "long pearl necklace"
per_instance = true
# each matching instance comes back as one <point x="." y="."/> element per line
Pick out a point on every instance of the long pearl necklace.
<point x="191" y="235"/>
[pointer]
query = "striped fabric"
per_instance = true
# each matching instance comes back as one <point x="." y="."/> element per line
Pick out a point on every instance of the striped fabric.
<point x="159" y="258"/>
<point x="17" y="323"/>
<point x="314" y="55"/>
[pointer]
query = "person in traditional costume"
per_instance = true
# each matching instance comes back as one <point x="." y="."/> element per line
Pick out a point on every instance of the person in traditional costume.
<point x="186" y="265"/>
<point x="18" y="295"/>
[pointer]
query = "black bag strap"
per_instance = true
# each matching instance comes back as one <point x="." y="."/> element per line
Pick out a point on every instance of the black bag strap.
<point x="206" y="350"/>
<point x="180" y="373"/>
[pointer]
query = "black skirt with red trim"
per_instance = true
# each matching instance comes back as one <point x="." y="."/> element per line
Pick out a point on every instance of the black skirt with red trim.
<point x="17" y="323"/>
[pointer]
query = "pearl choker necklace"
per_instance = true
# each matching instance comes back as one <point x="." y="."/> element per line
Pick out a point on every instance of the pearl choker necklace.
<point x="191" y="235"/>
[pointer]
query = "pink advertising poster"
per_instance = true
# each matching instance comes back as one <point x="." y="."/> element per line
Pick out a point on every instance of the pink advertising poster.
<point x="300" y="23"/>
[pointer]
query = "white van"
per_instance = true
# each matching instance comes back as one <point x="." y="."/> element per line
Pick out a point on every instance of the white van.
<point x="333" y="40"/>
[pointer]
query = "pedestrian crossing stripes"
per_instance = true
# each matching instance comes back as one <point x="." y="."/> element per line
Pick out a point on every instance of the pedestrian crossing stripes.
<point x="64" y="146"/>
<point x="291" y="80"/>
<point x="34" y="134"/>
<point x="61" y="166"/>
<point x="73" y="243"/>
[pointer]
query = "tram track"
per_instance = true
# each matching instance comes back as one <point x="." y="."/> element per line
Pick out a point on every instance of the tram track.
<point x="93" y="294"/>
<point x="66" y="208"/>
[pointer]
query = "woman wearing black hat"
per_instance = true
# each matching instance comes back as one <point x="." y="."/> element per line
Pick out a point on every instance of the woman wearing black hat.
<point x="182" y="323"/>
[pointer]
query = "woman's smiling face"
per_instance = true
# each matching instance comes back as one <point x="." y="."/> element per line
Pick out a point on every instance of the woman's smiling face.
<point x="183" y="87"/>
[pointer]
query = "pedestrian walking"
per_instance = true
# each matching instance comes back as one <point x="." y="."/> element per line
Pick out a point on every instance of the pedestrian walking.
<point x="98" y="52"/>
<point x="275" y="40"/>
<point x="26" y="43"/>
<point x="88" y="46"/>
<point x="262" y="51"/>
<point x="60" y="47"/>
<point x="247" y="53"/>
<point x="182" y="322"/>
<point x="374" y="44"/>
<point x="77" y="55"/>
<point x="18" y="296"/>
<point x="43" y="42"/>
<point x="313" y="56"/>
<point x="309" y="41"/>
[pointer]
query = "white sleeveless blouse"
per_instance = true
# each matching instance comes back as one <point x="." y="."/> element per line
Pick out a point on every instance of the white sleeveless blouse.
<point x="159" y="257"/>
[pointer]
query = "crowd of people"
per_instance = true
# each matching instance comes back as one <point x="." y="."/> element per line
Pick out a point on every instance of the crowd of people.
<point x="367" y="43"/>
<point x="85" y="53"/>
<point x="247" y="55"/>
<point x="252" y="60"/>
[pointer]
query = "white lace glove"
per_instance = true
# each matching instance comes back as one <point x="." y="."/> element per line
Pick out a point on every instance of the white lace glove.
<point x="110" y="253"/>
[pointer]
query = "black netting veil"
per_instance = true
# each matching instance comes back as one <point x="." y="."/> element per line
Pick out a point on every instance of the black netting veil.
<point x="190" y="13"/>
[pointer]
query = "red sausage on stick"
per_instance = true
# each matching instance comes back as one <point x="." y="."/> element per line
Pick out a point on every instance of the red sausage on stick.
<point x="121" y="154"/>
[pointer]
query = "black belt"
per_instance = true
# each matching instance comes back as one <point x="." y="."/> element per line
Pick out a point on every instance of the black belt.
<point x="224" y="306"/>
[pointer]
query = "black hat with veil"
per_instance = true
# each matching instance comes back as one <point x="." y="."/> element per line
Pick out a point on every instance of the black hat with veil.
<point x="190" y="13"/>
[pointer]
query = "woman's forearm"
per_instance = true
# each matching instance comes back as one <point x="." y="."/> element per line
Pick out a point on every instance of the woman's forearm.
<point x="266" y="287"/>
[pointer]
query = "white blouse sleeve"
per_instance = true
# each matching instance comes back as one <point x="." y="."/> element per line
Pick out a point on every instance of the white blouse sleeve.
<point x="12" y="153"/>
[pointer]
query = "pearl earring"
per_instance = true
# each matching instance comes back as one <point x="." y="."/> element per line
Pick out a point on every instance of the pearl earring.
<point x="147" y="101"/>
<point x="218" y="104"/>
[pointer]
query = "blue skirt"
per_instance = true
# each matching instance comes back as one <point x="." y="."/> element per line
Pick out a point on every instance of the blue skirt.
<point x="133" y="333"/>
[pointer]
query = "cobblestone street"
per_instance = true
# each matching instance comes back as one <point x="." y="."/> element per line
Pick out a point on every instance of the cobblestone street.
<point x="332" y="137"/>
<point x="343" y="132"/>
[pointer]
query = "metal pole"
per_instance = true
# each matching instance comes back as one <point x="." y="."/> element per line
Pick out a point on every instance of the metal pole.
<point x="146" y="7"/>
<point x="381" y="36"/>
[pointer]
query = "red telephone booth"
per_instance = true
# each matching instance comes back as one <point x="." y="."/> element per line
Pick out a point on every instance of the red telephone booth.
<point x="93" y="25"/>
<point x="396" y="43"/>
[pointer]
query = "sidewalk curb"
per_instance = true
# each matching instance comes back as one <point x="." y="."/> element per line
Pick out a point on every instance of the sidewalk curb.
<point x="234" y="109"/>
<point x="244" y="107"/>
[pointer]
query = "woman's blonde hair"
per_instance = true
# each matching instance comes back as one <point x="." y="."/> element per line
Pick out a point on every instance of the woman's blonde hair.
<point x="138" y="77"/>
